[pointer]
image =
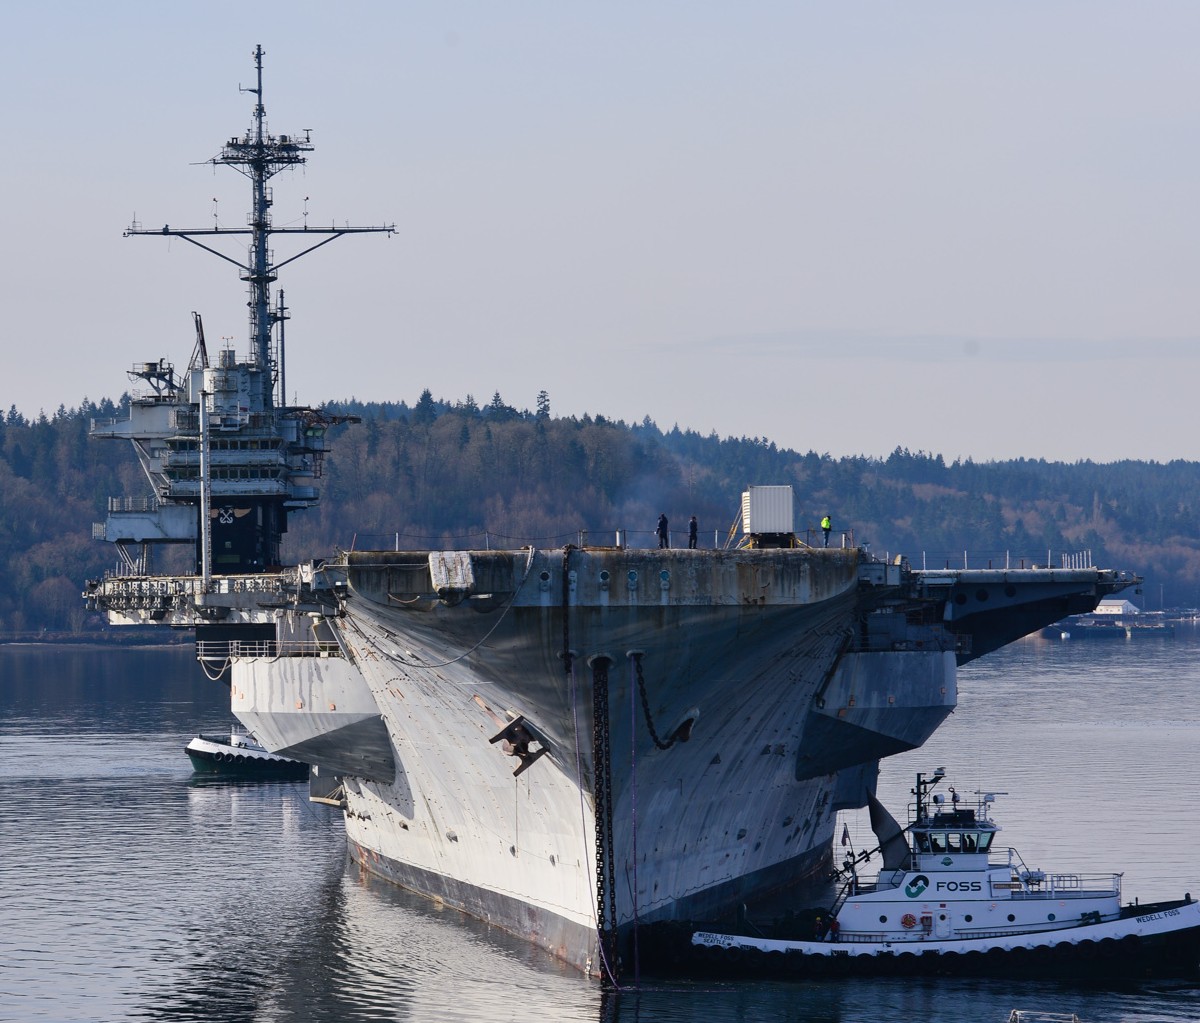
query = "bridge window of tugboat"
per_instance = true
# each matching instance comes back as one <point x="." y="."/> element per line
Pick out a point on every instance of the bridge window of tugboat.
<point x="985" y="840"/>
<point x="937" y="842"/>
<point x="922" y="842"/>
<point x="970" y="842"/>
<point x="954" y="842"/>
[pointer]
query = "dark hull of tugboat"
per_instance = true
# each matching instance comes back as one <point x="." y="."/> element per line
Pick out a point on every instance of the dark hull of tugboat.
<point x="215" y="755"/>
<point x="1161" y="940"/>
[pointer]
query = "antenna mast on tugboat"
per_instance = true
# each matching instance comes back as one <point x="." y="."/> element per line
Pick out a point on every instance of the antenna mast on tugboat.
<point x="260" y="155"/>
<point x="924" y="787"/>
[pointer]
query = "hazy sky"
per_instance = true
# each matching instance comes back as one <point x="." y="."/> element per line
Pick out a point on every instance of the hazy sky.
<point x="965" y="228"/>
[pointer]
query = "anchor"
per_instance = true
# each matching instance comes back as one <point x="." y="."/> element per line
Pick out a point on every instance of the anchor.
<point x="517" y="737"/>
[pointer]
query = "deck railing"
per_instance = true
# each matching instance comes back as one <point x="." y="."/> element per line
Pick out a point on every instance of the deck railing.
<point x="220" y="650"/>
<point x="987" y="559"/>
<point x="1066" y="886"/>
<point x="193" y="585"/>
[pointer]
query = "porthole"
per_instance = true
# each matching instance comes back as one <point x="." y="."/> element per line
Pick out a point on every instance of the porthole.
<point x="960" y="598"/>
<point x="1011" y="918"/>
<point x="883" y="919"/>
<point x="981" y="595"/>
<point x="968" y="918"/>
<point x="1050" y="917"/>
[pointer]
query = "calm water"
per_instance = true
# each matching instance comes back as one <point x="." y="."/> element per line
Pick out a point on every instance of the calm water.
<point x="129" y="890"/>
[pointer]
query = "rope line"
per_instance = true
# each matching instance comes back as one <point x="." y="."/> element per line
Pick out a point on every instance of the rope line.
<point x="641" y="681"/>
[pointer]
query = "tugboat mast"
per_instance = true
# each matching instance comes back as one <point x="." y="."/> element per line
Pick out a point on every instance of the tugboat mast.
<point x="260" y="155"/>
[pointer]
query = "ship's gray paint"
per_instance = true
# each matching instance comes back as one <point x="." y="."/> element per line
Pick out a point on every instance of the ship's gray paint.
<point x="741" y="644"/>
<point x="314" y="709"/>
<point x="797" y="670"/>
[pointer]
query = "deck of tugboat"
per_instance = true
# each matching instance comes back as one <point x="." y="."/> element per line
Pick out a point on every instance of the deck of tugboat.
<point x="1155" y="917"/>
<point x="1022" y="884"/>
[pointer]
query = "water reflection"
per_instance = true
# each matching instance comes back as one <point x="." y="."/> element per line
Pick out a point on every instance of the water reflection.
<point x="133" y="889"/>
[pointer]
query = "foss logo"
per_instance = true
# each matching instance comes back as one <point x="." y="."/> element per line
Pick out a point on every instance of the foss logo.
<point x="916" y="886"/>
<point x="960" y="886"/>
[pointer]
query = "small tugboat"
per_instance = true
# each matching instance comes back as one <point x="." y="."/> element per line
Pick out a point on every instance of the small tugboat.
<point x="240" y="754"/>
<point x="947" y="899"/>
<point x="1027" y="1016"/>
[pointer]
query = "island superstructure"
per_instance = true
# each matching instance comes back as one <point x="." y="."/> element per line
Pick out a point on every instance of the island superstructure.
<point x="566" y="742"/>
<point x="221" y="436"/>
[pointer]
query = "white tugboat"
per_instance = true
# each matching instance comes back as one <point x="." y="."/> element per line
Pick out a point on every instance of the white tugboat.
<point x="948" y="898"/>
<point x="239" y="753"/>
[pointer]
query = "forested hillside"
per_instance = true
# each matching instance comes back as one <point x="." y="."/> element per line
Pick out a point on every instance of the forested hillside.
<point x="458" y="474"/>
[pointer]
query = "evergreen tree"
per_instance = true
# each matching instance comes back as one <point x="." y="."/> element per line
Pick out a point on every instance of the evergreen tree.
<point x="425" y="411"/>
<point x="432" y="476"/>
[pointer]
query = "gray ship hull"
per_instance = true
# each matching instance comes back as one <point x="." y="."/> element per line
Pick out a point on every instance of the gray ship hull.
<point x="681" y="726"/>
<point x="738" y="716"/>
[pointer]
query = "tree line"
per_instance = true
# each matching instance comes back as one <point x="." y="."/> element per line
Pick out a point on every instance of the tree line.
<point x="461" y="473"/>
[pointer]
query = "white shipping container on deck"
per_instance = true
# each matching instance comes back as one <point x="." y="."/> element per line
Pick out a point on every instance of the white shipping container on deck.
<point x="767" y="510"/>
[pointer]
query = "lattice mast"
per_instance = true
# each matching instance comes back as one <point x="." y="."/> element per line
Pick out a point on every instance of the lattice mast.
<point x="221" y="448"/>
<point x="260" y="155"/>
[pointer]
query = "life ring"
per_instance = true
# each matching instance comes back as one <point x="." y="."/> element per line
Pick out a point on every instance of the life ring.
<point x="908" y="921"/>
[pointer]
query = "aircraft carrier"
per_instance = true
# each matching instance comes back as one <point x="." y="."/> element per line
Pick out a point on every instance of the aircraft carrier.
<point x="569" y="743"/>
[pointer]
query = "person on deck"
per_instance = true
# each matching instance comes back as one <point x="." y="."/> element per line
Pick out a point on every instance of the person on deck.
<point x="693" y="526"/>
<point x="663" y="540"/>
<point x="826" y="526"/>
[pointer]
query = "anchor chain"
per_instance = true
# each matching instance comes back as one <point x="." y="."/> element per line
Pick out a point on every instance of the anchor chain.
<point x="606" y="887"/>
<point x="641" y="681"/>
